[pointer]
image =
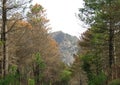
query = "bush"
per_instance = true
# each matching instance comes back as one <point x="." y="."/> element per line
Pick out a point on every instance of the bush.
<point x="65" y="76"/>
<point x="115" y="82"/>
<point x="97" y="79"/>
<point x="31" y="82"/>
<point x="12" y="78"/>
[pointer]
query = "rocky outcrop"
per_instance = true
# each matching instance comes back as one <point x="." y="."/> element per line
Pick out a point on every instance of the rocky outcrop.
<point x="67" y="44"/>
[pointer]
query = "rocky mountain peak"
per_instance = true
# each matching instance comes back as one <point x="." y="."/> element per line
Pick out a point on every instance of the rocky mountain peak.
<point x="67" y="44"/>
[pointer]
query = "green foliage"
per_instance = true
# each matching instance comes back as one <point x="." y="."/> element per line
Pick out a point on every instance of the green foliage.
<point x="31" y="82"/>
<point x="36" y="8"/>
<point x="97" y="79"/>
<point x="39" y="61"/>
<point x="38" y="68"/>
<point x="12" y="78"/>
<point x="13" y="69"/>
<point x="101" y="16"/>
<point x="1" y="43"/>
<point x="86" y="63"/>
<point x="65" y="76"/>
<point x="115" y="82"/>
<point x="94" y="78"/>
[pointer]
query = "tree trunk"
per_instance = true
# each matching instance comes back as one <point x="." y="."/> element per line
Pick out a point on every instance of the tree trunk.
<point x="111" y="48"/>
<point x="3" y="37"/>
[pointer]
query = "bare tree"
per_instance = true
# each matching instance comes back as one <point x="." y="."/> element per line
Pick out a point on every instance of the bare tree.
<point x="8" y="8"/>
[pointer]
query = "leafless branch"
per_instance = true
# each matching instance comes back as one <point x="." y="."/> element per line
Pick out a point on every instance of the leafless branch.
<point x="17" y="6"/>
<point x="14" y="24"/>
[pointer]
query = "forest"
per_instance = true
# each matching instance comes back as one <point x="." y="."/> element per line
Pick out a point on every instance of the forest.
<point x="30" y="56"/>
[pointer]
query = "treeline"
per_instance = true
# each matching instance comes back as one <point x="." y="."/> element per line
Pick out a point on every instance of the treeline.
<point x="99" y="53"/>
<point x="28" y="55"/>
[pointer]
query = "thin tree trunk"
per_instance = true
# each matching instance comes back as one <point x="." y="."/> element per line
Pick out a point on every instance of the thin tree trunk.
<point x="111" y="48"/>
<point x="3" y="37"/>
<point x="111" y="44"/>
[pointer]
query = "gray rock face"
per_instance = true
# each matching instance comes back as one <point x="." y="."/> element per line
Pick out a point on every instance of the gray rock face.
<point x="67" y="45"/>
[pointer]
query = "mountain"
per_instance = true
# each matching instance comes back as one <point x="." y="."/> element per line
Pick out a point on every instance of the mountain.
<point x="67" y="44"/>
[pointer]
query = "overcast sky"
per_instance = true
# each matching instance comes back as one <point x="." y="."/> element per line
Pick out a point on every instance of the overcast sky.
<point x="61" y="14"/>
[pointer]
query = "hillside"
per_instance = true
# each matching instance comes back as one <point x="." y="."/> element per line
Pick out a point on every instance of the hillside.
<point x="67" y="45"/>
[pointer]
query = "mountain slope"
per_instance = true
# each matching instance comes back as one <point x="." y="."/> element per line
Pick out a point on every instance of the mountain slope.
<point x="67" y="45"/>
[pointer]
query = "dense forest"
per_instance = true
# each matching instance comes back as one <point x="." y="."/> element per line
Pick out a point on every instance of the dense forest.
<point x="30" y="56"/>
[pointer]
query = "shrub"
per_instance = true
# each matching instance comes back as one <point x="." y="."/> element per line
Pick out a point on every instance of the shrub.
<point x="31" y="82"/>
<point x="115" y="82"/>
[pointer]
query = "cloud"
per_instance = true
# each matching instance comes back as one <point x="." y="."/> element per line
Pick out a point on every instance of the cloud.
<point x="62" y="14"/>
